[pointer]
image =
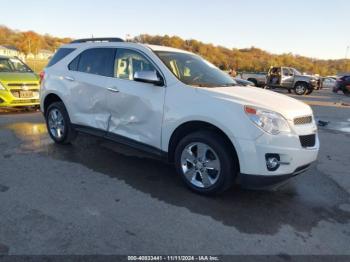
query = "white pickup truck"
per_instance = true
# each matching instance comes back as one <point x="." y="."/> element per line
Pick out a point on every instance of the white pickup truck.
<point x="257" y="78"/>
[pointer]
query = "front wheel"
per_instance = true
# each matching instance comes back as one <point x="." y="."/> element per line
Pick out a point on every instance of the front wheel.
<point x="205" y="163"/>
<point x="58" y="124"/>
<point x="300" y="89"/>
<point x="346" y="91"/>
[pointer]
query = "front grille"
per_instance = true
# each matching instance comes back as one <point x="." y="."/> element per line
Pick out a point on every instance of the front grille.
<point x="308" y="141"/>
<point x="303" y="120"/>
<point x="22" y="84"/>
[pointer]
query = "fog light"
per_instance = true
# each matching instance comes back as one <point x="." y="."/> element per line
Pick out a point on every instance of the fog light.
<point x="272" y="161"/>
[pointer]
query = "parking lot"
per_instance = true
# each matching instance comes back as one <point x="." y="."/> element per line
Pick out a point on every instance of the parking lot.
<point x="96" y="197"/>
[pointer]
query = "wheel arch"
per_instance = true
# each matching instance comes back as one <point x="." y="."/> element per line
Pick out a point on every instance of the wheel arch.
<point x="302" y="82"/>
<point x="49" y="99"/>
<point x="194" y="126"/>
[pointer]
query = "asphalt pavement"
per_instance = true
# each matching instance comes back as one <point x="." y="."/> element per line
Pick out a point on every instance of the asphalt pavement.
<point x="96" y="197"/>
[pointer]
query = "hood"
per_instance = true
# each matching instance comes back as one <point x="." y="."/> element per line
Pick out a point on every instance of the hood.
<point x="285" y="105"/>
<point x="18" y="77"/>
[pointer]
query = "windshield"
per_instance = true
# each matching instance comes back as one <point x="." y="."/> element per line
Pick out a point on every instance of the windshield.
<point x="13" y="65"/>
<point x="194" y="70"/>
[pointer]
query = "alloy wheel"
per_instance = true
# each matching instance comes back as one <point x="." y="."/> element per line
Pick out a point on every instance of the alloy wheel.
<point x="300" y="89"/>
<point x="200" y="165"/>
<point x="56" y="123"/>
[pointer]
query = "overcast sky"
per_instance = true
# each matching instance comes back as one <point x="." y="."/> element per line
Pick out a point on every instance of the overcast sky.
<point x="307" y="27"/>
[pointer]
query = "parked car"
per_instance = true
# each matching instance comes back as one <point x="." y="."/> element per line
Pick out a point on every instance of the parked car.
<point x="243" y="82"/>
<point x="291" y="79"/>
<point x="259" y="79"/>
<point x="181" y="108"/>
<point x="343" y="84"/>
<point x="328" y="82"/>
<point x="19" y="85"/>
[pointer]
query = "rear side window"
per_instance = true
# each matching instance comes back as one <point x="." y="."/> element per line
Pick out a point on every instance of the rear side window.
<point x="59" y="55"/>
<point x="97" y="61"/>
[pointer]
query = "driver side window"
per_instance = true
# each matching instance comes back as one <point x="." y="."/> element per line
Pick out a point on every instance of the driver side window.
<point x="286" y="72"/>
<point x="127" y="62"/>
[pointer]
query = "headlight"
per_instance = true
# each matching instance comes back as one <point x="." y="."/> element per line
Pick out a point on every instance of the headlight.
<point x="2" y="87"/>
<point x="269" y="121"/>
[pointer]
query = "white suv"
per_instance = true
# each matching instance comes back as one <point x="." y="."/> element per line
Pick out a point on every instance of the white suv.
<point x="176" y="105"/>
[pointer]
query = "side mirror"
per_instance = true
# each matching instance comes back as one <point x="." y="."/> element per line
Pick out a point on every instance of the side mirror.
<point x="150" y="77"/>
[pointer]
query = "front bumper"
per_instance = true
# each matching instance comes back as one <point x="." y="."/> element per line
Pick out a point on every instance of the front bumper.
<point x="294" y="158"/>
<point x="261" y="182"/>
<point x="8" y="100"/>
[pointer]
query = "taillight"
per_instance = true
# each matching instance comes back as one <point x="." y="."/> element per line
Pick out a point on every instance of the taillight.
<point x="41" y="76"/>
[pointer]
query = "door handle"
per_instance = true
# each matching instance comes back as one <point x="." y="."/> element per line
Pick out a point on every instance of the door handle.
<point x="69" y="78"/>
<point x="113" y="89"/>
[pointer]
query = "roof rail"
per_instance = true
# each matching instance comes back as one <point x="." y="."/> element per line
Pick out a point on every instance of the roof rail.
<point x="101" y="39"/>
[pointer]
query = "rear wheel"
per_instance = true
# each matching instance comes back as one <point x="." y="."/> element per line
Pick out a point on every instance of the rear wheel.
<point x="205" y="163"/>
<point x="300" y="89"/>
<point x="58" y="124"/>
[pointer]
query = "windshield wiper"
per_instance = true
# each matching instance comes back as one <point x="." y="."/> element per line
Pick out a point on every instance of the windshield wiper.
<point x="229" y="84"/>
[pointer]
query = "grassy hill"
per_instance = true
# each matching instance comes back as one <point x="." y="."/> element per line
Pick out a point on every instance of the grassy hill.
<point x="248" y="59"/>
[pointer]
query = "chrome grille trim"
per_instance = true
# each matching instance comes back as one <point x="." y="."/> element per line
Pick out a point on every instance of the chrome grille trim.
<point x="22" y="84"/>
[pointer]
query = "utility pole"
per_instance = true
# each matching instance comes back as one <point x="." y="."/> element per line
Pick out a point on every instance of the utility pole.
<point x="347" y="51"/>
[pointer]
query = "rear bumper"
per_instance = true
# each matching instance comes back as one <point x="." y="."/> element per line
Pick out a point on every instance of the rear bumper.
<point x="263" y="182"/>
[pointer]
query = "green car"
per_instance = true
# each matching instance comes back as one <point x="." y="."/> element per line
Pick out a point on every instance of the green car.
<point x="19" y="85"/>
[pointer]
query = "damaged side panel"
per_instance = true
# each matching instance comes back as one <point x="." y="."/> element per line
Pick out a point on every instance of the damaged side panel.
<point x="88" y="101"/>
<point x="137" y="111"/>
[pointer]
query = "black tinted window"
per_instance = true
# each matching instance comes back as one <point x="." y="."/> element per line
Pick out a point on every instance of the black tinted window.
<point x="98" y="61"/>
<point x="59" y="55"/>
<point x="74" y="64"/>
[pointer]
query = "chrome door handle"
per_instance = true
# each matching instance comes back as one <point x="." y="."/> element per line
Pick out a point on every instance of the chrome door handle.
<point x="113" y="89"/>
<point x="69" y="78"/>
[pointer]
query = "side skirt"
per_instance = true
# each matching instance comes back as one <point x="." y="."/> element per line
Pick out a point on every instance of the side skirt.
<point x="161" y="155"/>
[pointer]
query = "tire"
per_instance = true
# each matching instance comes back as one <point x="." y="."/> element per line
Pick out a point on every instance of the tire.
<point x="60" y="128"/>
<point x="346" y="92"/>
<point x="309" y="91"/>
<point x="214" y="175"/>
<point x="253" y="80"/>
<point x="300" y="88"/>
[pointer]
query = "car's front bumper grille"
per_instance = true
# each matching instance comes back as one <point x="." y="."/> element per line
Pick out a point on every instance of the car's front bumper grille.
<point x="308" y="140"/>
<point x="303" y="120"/>
<point x="25" y="101"/>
